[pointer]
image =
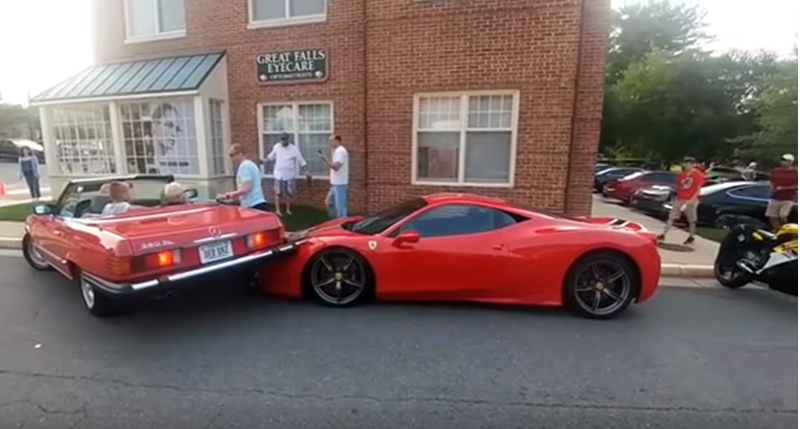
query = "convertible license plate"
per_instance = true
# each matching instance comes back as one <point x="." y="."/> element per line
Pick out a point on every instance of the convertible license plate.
<point x="215" y="251"/>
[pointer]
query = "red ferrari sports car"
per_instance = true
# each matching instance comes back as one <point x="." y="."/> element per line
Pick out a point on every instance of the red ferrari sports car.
<point x="459" y="247"/>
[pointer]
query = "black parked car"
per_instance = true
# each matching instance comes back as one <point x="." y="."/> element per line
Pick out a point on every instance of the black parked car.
<point x="10" y="149"/>
<point x="651" y="199"/>
<point x="603" y="176"/>
<point x="742" y="199"/>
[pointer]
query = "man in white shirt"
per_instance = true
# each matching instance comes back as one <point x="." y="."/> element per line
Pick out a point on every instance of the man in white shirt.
<point x="336" y="201"/>
<point x="287" y="161"/>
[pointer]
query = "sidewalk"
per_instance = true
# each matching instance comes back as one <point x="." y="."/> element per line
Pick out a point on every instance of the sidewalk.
<point x="677" y="260"/>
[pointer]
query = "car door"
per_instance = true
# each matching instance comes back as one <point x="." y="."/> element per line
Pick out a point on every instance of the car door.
<point x="58" y="240"/>
<point x="459" y="254"/>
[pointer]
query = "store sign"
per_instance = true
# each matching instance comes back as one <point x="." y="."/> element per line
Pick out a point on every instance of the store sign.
<point x="309" y="65"/>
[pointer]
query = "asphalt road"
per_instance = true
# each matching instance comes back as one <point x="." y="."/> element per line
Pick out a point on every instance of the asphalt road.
<point x="692" y="358"/>
<point x="16" y="188"/>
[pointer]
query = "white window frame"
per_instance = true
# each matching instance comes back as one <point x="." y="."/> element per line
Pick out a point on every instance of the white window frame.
<point x="295" y="107"/>
<point x="464" y="97"/>
<point x="151" y="37"/>
<point x="253" y="24"/>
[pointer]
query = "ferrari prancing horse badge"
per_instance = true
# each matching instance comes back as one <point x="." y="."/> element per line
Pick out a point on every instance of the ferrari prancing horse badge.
<point x="372" y="245"/>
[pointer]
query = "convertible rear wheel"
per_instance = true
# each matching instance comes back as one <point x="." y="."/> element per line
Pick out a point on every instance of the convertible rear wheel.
<point x="338" y="277"/>
<point x="32" y="255"/>
<point x="98" y="303"/>
<point x="600" y="286"/>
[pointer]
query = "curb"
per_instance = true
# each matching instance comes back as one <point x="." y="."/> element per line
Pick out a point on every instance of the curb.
<point x="10" y="243"/>
<point x="687" y="271"/>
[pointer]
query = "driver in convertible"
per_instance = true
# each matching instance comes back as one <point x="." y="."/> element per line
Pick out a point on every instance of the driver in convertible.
<point x="120" y="193"/>
<point x="173" y="194"/>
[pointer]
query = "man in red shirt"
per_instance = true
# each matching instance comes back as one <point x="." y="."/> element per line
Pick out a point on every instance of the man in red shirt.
<point x="783" y="181"/>
<point x="689" y="183"/>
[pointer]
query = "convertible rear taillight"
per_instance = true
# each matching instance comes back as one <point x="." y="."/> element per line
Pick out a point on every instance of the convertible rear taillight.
<point x="257" y="240"/>
<point x="120" y="266"/>
<point x="155" y="261"/>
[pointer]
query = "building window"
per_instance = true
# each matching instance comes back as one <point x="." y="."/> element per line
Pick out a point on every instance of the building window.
<point x="273" y="13"/>
<point x="218" y="153"/>
<point x="155" y="19"/>
<point x="309" y="125"/>
<point x="465" y="139"/>
<point x="160" y="137"/>
<point x="83" y="141"/>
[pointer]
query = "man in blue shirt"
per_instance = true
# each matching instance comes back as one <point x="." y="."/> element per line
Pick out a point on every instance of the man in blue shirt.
<point x="248" y="181"/>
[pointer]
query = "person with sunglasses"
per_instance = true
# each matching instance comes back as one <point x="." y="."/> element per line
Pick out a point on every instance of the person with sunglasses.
<point x="248" y="181"/>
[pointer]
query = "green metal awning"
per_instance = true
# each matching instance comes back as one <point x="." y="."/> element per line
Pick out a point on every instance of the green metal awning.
<point x="184" y="73"/>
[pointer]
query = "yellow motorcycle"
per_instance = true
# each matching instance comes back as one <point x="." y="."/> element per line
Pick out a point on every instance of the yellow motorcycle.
<point x="749" y="254"/>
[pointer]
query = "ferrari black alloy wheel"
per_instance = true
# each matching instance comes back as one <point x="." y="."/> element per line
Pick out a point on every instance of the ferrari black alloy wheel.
<point x="338" y="277"/>
<point x="600" y="286"/>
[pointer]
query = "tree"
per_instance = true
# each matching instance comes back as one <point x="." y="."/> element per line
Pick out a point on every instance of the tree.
<point x="637" y="31"/>
<point x="679" y="104"/>
<point x="775" y="108"/>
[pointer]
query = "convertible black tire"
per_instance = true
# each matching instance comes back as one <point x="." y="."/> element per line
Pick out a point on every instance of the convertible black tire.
<point x="339" y="277"/>
<point x="97" y="302"/>
<point x="600" y="285"/>
<point x="32" y="256"/>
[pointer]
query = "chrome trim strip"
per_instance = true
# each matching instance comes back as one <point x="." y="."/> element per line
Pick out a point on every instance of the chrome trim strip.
<point x="192" y="273"/>
<point x="221" y="237"/>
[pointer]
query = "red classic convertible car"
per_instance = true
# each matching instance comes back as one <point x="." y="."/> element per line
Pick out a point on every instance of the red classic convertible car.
<point x="457" y="247"/>
<point x="149" y="249"/>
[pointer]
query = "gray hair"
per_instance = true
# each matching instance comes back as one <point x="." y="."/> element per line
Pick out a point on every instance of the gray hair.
<point x="173" y="193"/>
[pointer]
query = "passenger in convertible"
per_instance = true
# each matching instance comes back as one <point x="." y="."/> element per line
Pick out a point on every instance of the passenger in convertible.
<point x="173" y="194"/>
<point x="120" y="194"/>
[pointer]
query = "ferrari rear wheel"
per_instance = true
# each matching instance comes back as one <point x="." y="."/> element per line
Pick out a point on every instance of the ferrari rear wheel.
<point x="600" y="286"/>
<point x="32" y="255"/>
<point x="339" y="277"/>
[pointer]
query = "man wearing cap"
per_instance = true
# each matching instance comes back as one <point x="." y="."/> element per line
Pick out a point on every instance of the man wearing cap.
<point x="287" y="164"/>
<point x="783" y="181"/>
<point x="689" y="183"/>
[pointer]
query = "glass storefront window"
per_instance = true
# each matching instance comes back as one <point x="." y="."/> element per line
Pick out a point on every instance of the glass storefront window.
<point x="83" y="140"/>
<point x="160" y="137"/>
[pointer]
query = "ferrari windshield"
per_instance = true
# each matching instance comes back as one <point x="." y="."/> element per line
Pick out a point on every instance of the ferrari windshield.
<point x="383" y="220"/>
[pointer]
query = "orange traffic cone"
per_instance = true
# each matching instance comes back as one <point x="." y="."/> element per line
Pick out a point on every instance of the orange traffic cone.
<point x="2" y="189"/>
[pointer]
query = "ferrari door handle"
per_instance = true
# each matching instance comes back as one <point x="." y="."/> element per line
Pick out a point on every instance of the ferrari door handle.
<point x="498" y="247"/>
<point x="58" y="234"/>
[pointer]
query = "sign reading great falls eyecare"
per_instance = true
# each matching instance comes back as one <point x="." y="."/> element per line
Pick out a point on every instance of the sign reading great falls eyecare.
<point x="309" y="65"/>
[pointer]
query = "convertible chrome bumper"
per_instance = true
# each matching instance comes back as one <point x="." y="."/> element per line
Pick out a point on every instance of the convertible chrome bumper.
<point x="123" y="288"/>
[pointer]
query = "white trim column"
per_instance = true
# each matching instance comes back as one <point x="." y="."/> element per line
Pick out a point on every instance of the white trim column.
<point x="117" y="138"/>
<point x="51" y="160"/>
<point x="202" y="131"/>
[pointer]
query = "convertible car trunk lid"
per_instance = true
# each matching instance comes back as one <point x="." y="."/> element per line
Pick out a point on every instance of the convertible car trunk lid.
<point x="150" y="229"/>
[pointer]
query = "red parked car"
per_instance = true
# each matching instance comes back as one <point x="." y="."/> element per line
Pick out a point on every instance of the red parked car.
<point x="147" y="251"/>
<point x="624" y="188"/>
<point x="461" y="247"/>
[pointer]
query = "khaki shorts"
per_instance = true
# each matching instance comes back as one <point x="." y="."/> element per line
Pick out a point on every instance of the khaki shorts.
<point x="779" y="209"/>
<point x="688" y="209"/>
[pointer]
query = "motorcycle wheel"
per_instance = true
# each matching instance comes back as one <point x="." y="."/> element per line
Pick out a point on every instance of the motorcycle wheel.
<point x="730" y="277"/>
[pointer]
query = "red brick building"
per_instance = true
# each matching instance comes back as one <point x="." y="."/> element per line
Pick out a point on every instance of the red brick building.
<point x="499" y="97"/>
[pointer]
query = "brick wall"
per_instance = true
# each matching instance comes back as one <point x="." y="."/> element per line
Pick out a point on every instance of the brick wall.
<point x="382" y="52"/>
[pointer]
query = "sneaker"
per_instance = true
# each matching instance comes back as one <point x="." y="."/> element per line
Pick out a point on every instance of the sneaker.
<point x="688" y="241"/>
<point x="661" y="238"/>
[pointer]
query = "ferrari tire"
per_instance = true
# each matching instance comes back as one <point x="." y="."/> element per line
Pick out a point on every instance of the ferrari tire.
<point x="32" y="256"/>
<point x="98" y="303"/>
<point x="338" y="277"/>
<point x="600" y="286"/>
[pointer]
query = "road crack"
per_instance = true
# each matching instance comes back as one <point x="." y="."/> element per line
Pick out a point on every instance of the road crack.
<point x="247" y="391"/>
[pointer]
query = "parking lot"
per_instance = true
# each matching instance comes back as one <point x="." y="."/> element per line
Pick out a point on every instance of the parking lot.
<point x="695" y="356"/>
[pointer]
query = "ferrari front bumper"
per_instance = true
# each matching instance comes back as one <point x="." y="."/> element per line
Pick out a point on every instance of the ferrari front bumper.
<point x="167" y="281"/>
